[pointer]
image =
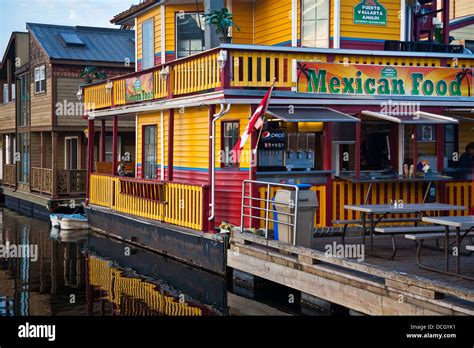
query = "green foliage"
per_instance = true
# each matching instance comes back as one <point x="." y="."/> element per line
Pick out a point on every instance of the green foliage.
<point x="90" y="73"/>
<point x="221" y="21"/>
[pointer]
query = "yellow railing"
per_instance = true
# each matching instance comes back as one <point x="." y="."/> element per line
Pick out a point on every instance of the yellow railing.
<point x="260" y="68"/>
<point x="159" y="85"/>
<point x="183" y="205"/>
<point x="196" y="75"/>
<point x="97" y="97"/>
<point x="319" y="219"/>
<point x="101" y="190"/>
<point x="119" y="92"/>
<point x="118" y="287"/>
<point x="460" y="193"/>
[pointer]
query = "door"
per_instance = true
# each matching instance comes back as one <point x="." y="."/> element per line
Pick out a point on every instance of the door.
<point x="149" y="152"/>
<point x="71" y="153"/>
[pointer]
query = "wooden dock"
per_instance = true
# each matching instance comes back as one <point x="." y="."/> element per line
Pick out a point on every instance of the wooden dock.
<point x="374" y="286"/>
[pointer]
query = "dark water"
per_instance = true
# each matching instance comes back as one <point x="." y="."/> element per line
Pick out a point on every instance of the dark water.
<point x="84" y="273"/>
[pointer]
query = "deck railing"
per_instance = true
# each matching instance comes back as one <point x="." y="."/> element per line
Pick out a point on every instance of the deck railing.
<point x="9" y="175"/>
<point x="179" y="204"/>
<point x="68" y="182"/>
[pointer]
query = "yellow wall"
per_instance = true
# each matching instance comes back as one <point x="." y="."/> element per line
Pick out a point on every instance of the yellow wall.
<point x="171" y="10"/>
<point x="191" y="138"/>
<point x="244" y="17"/>
<point x="348" y="29"/>
<point x="154" y="13"/>
<point x="148" y="120"/>
<point x="242" y="114"/>
<point x="272" y="22"/>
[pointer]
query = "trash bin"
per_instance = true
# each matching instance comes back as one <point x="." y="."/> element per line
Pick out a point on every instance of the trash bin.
<point x="307" y="204"/>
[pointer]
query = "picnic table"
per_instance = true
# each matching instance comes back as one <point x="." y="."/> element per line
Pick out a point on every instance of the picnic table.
<point x="465" y="223"/>
<point x="376" y="213"/>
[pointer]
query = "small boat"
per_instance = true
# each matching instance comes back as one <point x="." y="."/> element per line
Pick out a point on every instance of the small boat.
<point x="66" y="218"/>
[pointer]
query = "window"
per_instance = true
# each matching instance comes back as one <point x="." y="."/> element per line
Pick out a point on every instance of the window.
<point x="5" y="93"/>
<point x="40" y="79"/>
<point x="149" y="152"/>
<point x="230" y="135"/>
<point x="315" y="19"/>
<point x="24" y="164"/>
<point x="450" y="144"/>
<point x="109" y="148"/>
<point x="23" y="110"/>
<point x="189" y="34"/>
<point x="148" y="45"/>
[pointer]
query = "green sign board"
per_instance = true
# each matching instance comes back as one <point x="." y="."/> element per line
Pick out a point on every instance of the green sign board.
<point x="370" y="12"/>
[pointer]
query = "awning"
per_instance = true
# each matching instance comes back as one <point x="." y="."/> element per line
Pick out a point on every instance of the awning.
<point x="309" y="114"/>
<point x="418" y="117"/>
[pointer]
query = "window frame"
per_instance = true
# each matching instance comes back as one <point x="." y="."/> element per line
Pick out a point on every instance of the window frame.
<point x="67" y="159"/>
<point x="199" y="13"/>
<point x="42" y="88"/>
<point x="230" y="164"/>
<point x="144" y="128"/>
<point x="152" y="21"/>
<point x="328" y="41"/>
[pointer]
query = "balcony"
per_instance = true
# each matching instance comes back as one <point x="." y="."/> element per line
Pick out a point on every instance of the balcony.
<point x="67" y="182"/>
<point x="9" y="175"/>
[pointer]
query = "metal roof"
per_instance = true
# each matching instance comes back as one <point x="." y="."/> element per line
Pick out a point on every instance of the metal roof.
<point x="100" y="44"/>
<point x="419" y="117"/>
<point x="309" y="114"/>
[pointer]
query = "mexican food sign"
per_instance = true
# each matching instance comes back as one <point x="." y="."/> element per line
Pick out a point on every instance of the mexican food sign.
<point x="370" y="12"/>
<point x="139" y="88"/>
<point x="357" y="79"/>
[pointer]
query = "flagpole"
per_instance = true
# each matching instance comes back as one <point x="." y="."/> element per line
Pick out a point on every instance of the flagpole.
<point x="265" y="115"/>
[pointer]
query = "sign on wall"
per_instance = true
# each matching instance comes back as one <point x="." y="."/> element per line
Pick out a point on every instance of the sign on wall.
<point x="370" y="12"/>
<point x="358" y="79"/>
<point x="139" y="88"/>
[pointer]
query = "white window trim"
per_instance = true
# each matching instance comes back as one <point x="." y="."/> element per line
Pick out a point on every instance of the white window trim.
<point x="176" y="29"/>
<point x="39" y="75"/>
<point x="152" y="43"/>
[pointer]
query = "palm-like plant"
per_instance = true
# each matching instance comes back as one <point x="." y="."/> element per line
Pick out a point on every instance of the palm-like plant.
<point x="89" y="73"/>
<point x="464" y="75"/>
<point x="222" y="21"/>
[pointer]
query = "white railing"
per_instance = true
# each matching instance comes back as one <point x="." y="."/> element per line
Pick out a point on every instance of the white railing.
<point x="254" y="206"/>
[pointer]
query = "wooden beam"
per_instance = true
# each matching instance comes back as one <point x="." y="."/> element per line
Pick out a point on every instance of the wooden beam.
<point x="9" y="79"/>
<point x="43" y="151"/>
<point x="54" y="158"/>
<point x="170" y="143"/>
<point x="90" y="156"/>
<point x="102" y="142"/>
<point x="357" y="150"/>
<point x="114" y="146"/>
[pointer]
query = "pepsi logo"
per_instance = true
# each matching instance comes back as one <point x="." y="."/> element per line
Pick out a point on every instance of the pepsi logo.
<point x="266" y="135"/>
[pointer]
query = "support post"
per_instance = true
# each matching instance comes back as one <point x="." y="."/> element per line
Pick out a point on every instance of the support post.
<point x="115" y="146"/>
<point x="170" y="144"/>
<point x="415" y="146"/>
<point x="54" y="160"/>
<point x="440" y="146"/>
<point x="357" y="150"/>
<point x="90" y="156"/>
<point x="102" y="142"/>
<point x="212" y="111"/>
<point x="327" y="165"/>
<point x="446" y="22"/>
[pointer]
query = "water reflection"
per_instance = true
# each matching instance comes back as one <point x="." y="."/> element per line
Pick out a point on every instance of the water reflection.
<point x="80" y="273"/>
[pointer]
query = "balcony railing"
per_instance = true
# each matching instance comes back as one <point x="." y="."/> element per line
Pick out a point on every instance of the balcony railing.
<point x="179" y="204"/>
<point x="68" y="182"/>
<point x="9" y="175"/>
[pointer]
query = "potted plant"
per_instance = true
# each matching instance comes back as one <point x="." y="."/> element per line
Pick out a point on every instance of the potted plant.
<point x="89" y="73"/>
<point x="222" y="21"/>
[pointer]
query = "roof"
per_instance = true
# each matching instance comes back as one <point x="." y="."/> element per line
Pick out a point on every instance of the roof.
<point x="99" y="44"/>
<point x="133" y="10"/>
<point x="419" y="117"/>
<point x="309" y="114"/>
<point x="460" y="22"/>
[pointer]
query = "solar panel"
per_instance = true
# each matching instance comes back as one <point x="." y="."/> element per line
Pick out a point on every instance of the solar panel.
<point x="71" y="39"/>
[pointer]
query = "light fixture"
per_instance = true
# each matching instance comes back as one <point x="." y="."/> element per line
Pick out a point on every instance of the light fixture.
<point x="79" y="94"/>
<point x="222" y="59"/>
<point x="164" y="73"/>
<point x="108" y="87"/>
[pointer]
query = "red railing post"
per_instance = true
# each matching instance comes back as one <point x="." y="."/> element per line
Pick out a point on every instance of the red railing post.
<point x="207" y="226"/>
<point x="90" y="156"/>
<point x="327" y="165"/>
<point x="170" y="144"/>
<point x="115" y="146"/>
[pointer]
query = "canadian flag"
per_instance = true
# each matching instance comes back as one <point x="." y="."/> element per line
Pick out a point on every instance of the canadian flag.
<point x="255" y="122"/>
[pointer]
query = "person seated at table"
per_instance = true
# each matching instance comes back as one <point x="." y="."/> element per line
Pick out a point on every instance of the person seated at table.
<point x="466" y="161"/>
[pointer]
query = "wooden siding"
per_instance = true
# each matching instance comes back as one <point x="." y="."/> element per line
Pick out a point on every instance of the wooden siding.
<point x="154" y="13"/>
<point x="244" y="17"/>
<point x="273" y="22"/>
<point x="464" y="33"/>
<point x="66" y="89"/>
<point x="461" y="8"/>
<point x="7" y="117"/>
<point x="41" y="104"/>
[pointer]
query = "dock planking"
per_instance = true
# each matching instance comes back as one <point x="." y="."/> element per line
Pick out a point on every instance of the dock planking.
<point x="373" y="286"/>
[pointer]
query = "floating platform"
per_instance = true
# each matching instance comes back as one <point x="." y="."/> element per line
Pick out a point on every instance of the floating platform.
<point x="373" y="286"/>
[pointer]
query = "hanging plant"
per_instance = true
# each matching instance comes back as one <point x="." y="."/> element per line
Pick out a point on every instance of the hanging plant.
<point x="89" y="73"/>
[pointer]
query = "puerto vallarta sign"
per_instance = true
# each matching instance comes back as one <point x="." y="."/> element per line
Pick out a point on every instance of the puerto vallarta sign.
<point x="370" y="12"/>
<point x="358" y="79"/>
<point x="139" y="88"/>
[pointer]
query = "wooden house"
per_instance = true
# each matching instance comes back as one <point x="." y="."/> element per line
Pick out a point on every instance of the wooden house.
<point x="338" y="75"/>
<point x="43" y="129"/>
